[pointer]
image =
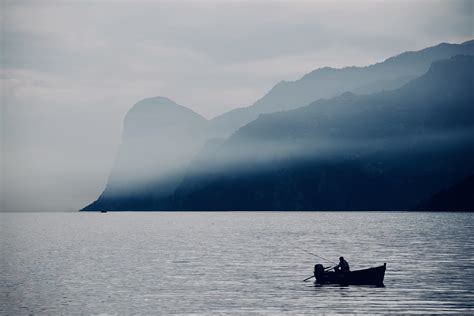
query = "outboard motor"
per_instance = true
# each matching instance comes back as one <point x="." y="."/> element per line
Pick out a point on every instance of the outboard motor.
<point x="318" y="271"/>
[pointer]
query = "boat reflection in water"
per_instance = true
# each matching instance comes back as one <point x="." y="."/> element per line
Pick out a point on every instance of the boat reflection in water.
<point x="370" y="276"/>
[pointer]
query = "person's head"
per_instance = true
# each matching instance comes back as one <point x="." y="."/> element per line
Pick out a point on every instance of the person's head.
<point x="341" y="259"/>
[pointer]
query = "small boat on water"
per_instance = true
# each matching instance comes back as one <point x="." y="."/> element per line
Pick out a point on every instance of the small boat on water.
<point x="370" y="276"/>
<point x="103" y="211"/>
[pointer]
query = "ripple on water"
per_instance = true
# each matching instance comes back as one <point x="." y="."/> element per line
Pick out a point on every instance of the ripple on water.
<point x="232" y="262"/>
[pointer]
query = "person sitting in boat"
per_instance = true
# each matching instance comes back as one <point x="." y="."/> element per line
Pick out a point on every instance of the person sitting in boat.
<point x="343" y="266"/>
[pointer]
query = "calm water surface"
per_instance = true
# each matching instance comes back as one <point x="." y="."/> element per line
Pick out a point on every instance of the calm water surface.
<point x="232" y="262"/>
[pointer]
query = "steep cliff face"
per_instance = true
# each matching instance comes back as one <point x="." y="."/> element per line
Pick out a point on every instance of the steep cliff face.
<point x="159" y="139"/>
<point x="384" y="151"/>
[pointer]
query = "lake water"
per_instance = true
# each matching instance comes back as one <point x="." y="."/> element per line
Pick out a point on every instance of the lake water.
<point x="235" y="263"/>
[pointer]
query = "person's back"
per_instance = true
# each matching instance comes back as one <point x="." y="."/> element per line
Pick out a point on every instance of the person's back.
<point x="343" y="265"/>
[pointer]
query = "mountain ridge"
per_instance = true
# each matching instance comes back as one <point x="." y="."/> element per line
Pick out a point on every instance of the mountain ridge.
<point x="184" y="132"/>
<point x="412" y="141"/>
<point x="292" y="94"/>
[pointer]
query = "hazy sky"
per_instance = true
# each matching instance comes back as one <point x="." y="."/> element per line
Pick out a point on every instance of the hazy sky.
<point x="70" y="71"/>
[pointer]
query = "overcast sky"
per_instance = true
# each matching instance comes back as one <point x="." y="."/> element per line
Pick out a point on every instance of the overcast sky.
<point x="70" y="71"/>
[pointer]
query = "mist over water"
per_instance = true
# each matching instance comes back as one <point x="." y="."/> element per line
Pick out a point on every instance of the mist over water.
<point x="232" y="262"/>
<point x="309" y="158"/>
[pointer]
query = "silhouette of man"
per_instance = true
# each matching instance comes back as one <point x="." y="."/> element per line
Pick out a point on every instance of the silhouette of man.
<point x="343" y="266"/>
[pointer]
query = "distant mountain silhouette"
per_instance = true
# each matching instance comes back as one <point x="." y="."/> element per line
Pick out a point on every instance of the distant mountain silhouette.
<point x="386" y="151"/>
<point x="160" y="137"/>
<point x="329" y="82"/>
<point x="459" y="197"/>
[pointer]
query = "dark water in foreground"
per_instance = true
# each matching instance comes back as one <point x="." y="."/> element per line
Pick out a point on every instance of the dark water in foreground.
<point x="232" y="262"/>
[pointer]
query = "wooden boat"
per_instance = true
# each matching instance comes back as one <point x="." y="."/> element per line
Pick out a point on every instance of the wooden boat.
<point x="371" y="276"/>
